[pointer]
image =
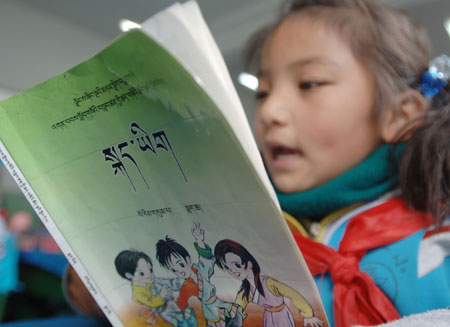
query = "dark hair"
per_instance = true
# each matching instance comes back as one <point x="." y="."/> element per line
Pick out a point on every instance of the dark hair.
<point x="397" y="51"/>
<point x="226" y="246"/>
<point x="127" y="260"/>
<point x="168" y="247"/>
<point x="425" y="163"/>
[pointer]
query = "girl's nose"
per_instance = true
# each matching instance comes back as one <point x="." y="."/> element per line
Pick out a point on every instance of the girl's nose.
<point x="274" y="110"/>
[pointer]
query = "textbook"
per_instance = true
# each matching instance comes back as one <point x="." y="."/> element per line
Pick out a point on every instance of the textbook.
<point x="141" y="164"/>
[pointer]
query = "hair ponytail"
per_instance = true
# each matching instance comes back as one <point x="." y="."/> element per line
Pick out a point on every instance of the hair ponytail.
<point x="424" y="172"/>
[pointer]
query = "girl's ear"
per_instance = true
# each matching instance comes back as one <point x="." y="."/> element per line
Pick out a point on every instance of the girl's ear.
<point x="403" y="114"/>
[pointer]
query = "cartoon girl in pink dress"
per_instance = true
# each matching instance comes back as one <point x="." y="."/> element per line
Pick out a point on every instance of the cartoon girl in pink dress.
<point x="262" y="290"/>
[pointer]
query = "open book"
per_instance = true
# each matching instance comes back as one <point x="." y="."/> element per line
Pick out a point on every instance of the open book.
<point x="141" y="164"/>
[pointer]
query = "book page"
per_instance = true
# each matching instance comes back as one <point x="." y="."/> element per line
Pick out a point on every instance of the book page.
<point x="183" y="24"/>
<point x="145" y="186"/>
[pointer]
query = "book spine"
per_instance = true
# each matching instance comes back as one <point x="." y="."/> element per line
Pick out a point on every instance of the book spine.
<point x="46" y="219"/>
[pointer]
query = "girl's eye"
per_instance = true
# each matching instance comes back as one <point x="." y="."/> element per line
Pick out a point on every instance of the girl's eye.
<point x="238" y="265"/>
<point x="173" y="270"/>
<point x="182" y="265"/>
<point x="309" y="85"/>
<point x="261" y="95"/>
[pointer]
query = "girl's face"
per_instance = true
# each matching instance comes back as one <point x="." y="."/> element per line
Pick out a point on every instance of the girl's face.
<point x="235" y="267"/>
<point x="314" y="119"/>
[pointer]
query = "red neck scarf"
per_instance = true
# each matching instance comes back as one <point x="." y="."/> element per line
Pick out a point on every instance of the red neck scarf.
<point x="357" y="299"/>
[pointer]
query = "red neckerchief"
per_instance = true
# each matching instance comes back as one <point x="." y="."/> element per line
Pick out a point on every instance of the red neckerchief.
<point x="357" y="299"/>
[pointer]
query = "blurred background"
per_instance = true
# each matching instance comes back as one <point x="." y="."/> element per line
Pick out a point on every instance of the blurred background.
<point x="43" y="38"/>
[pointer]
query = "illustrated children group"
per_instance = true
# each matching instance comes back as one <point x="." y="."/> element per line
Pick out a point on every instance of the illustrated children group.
<point x="168" y="297"/>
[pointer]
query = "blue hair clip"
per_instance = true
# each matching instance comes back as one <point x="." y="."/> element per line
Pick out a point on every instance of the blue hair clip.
<point x="437" y="76"/>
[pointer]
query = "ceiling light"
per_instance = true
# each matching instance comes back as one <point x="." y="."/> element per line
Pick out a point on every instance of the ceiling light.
<point x="249" y="81"/>
<point x="125" y="25"/>
<point x="447" y="25"/>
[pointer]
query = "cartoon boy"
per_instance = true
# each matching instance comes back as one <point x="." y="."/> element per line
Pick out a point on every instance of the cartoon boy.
<point x="174" y="257"/>
<point x="155" y="293"/>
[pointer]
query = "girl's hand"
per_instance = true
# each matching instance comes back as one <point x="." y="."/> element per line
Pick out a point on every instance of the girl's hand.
<point x="198" y="233"/>
<point x="312" y="322"/>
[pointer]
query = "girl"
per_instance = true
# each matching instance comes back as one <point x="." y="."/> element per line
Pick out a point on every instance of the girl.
<point x="345" y="92"/>
<point x="263" y="290"/>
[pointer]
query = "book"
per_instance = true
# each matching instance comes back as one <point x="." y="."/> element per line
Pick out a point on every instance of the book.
<point x="141" y="164"/>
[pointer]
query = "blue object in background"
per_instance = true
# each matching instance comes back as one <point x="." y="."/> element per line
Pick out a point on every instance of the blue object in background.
<point x="55" y="263"/>
<point x="9" y="260"/>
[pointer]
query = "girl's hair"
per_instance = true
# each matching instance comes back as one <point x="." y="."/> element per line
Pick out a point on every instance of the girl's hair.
<point x="228" y="246"/>
<point x="397" y="51"/>
<point x="126" y="261"/>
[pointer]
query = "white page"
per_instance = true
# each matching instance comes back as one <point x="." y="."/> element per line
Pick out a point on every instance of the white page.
<point x="197" y="51"/>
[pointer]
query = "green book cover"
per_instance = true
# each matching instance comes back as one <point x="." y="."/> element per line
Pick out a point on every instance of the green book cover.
<point x="141" y="180"/>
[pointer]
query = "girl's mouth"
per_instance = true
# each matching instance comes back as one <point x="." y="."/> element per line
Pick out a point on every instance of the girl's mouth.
<point x="284" y="153"/>
<point x="284" y="158"/>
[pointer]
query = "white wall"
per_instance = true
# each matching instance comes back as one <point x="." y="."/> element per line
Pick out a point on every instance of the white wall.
<point x="6" y="93"/>
<point x="36" y="45"/>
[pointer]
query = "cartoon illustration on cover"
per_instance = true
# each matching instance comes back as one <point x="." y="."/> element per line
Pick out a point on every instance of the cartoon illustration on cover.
<point x="155" y="293"/>
<point x="175" y="258"/>
<point x="263" y="290"/>
<point x="175" y="301"/>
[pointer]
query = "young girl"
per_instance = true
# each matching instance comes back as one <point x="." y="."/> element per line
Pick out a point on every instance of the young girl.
<point x="345" y="92"/>
<point x="262" y="290"/>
